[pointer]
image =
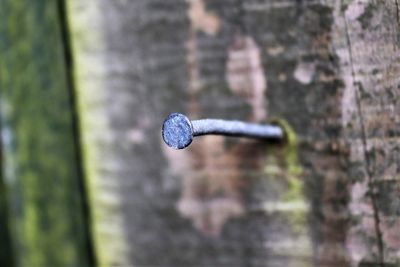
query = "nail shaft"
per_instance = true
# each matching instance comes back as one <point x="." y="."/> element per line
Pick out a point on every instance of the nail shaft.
<point x="235" y="128"/>
<point x="178" y="131"/>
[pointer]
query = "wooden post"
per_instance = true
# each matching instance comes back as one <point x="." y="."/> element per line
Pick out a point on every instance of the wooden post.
<point x="39" y="157"/>
<point x="327" y="71"/>
<point x="6" y="258"/>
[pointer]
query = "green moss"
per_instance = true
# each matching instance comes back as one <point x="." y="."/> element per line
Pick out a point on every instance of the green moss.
<point x="44" y="194"/>
<point x="286" y="157"/>
<point x="6" y="246"/>
<point x="85" y="37"/>
<point x="282" y="163"/>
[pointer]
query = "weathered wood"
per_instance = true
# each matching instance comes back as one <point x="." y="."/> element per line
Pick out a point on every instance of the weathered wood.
<point x="328" y="68"/>
<point x="40" y="167"/>
<point x="6" y="258"/>
<point x="104" y="176"/>
<point x="368" y="46"/>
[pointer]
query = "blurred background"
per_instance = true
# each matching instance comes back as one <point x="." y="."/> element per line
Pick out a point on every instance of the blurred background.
<point x="86" y="179"/>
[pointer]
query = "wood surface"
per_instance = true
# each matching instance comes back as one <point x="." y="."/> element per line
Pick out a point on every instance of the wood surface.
<point x="41" y="180"/>
<point x="327" y="71"/>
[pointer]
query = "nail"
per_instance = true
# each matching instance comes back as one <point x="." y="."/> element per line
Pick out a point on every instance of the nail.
<point x="178" y="131"/>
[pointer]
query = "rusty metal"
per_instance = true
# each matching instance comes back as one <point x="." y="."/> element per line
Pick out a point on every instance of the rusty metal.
<point x="178" y="131"/>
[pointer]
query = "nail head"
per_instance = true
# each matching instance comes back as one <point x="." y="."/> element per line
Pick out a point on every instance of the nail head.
<point x="177" y="131"/>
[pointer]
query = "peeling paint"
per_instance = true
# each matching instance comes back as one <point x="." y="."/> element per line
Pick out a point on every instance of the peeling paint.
<point x="138" y="134"/>
<point x="245" y="75"/>
<point x="211" y="173"/>
<point x="201" y="19"/>
<point x="355" y="10"/>
<point x="304" y="72"/>
<point x="209" y="197"/>
<point x="275" y="51"/>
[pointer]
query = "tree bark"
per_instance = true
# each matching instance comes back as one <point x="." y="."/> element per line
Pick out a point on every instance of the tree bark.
<point x="327" y="71"/>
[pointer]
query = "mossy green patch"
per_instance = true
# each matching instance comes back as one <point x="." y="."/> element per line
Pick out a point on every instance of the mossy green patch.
<point x="282" y="163"/>
<point x="6" y="253"/>
<point x="44" y="197"/>
<point x="90" y="75"/>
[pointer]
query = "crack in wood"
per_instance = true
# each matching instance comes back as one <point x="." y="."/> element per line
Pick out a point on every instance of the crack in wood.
<point x="367" y="162"/>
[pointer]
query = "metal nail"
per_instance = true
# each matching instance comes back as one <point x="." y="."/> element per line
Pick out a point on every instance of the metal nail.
<point x="178" y="131"/>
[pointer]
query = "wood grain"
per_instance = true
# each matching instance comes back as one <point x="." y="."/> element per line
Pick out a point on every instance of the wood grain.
<point x="39" y="149"/>
<point x="327" y="68"/>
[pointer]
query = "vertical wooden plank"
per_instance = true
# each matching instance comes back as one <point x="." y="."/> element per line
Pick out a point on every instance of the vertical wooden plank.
<point x="6" y="254"/>
<point x="135" y="62"/>
<point x="235" y="202"/>
<point x="40" y="166"/>
<point x="86" y="22"/>
<point x="368" y="45"/>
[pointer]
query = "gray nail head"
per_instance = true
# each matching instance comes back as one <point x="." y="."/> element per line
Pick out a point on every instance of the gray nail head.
<point x="177" y="131"/>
